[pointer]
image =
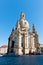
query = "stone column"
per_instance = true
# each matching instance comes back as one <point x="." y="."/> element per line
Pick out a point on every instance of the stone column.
<point x="26" y="44"/>
<point x="19" y="45"/>
<point x="29" y="43"/>
<point x="33" y="45"/>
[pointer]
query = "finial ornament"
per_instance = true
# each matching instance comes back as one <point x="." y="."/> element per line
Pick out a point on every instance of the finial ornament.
<point x="33" y="29"/>
<point x="12" y="29"/>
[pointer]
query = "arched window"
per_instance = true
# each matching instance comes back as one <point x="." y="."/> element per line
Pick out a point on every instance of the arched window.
<point x="12" y="47"/>
<point x="29" y="41"/>
<point x="22" y="40"/>
<point x="12" y="44"/>
<point x="15" y="41"/>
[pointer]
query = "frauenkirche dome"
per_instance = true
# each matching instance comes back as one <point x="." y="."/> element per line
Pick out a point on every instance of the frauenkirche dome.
<point x="23" y="22"/>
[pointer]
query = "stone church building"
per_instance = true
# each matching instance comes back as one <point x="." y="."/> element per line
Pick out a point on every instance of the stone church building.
<point x="21" y="40"/>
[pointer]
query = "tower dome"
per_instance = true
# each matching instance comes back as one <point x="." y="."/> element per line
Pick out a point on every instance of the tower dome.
<point x="23" y="22"/>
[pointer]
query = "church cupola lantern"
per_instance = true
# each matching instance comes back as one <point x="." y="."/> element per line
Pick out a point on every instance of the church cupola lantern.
<point x="22" y="15"/>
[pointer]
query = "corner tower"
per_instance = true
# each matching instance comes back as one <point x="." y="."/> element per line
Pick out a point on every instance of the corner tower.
<point x="34" y="40"/>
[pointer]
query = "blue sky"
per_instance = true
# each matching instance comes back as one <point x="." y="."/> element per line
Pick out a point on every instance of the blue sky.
<point x="10" y="12"/>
